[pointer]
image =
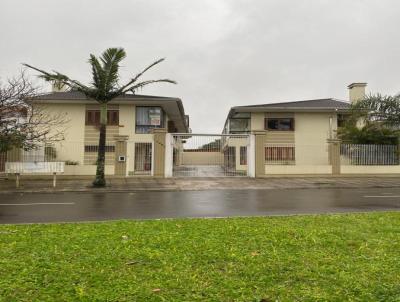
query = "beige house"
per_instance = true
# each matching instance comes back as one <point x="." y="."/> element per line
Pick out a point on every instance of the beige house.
<point x="130" y="141"/>
<point x="295" y="135"/>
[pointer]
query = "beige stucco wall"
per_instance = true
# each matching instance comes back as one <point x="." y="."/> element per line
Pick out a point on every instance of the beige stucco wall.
<point x="311" y="134"/>
<point x="75" y="114"/>
<point x="257" y="121"/>
<point x="86" y="170"/>
<point x="297" y="169"/>
<point x="72" y="147"/>
<point x="202" y="158"/>
<point x="347" y="169"/>
<point x="356" y="93"/>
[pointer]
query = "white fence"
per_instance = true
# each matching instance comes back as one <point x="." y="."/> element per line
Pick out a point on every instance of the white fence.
<point x="369" y="155"/>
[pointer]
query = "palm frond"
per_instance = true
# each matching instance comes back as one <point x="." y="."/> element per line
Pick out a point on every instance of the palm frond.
<point x="135" y="78"/>
<point x="110" y="60"/>
<point x="145" y="83"/>
<point x="57" y="77"/>
<point x="377" y="107"/>
<point x="105" y="75"/>
<point x="97" y="71"/>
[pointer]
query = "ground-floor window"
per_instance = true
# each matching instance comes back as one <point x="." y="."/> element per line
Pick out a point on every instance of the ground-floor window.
<point x="91" y="152"/>
<point x="143" y="158"/>
<point x="95" y="148"/>
<point x="279" y="153"/>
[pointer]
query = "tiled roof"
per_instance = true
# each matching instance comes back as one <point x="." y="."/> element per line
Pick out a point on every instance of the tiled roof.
<point x="306" y="104"/>
<point x="76" y="95"/>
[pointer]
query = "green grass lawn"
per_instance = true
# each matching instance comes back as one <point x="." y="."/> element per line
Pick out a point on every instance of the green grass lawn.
<point x="354" y="257"/>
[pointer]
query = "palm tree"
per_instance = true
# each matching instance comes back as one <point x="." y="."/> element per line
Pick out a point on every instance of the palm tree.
<point x="104" y="88"/>
<point x="384" y="109"/>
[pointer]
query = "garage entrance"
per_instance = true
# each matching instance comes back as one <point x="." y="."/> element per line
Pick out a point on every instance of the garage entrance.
<point x="209" y="155"/>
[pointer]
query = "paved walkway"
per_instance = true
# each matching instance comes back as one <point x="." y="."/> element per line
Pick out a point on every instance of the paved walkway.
<point x="205" y="171"/>
<point x="184" y="184"/>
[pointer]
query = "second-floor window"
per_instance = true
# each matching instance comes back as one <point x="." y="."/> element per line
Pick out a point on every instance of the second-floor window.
<point x="93" y="117"/>
<point x="239" y="123"/>
<point x="279" y="124"/>
<point x="148" y="118"/>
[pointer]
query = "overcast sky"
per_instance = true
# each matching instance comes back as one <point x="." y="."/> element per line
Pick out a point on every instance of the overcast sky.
<point x="222" y="53"/>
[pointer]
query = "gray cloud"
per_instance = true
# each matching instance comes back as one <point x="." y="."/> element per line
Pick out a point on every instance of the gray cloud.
<point x="222" y="53"/>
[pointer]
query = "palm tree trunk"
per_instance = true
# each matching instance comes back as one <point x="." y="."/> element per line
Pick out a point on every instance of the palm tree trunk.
<point x="100" y="180"/>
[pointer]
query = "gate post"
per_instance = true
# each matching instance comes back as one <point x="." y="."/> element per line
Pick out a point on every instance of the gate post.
<point x="334" y="155"/>
<point x="259" y="153"/>
<point x="169" y="149"/>
<point x="159" y="135"/>
<point x="120" y="155"/>
<point x="251" y="156"/>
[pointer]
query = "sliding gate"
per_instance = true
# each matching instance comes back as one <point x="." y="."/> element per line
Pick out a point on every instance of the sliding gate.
<point x="209" y="155"/>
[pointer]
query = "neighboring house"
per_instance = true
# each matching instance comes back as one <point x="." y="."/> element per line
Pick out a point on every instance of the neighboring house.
<point x="131" y="118"/>
<point x="296" y="133"/>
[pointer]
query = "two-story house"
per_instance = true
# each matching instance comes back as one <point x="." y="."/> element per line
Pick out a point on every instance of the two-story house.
<point x="296" y="133"/>
<point x="131" y="118"/>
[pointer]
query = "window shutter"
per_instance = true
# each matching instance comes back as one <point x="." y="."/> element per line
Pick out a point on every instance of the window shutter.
<point x="96" y="119"/>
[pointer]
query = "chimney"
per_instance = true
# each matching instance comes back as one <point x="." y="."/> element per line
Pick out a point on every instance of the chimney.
<point x="58" y="86"/>
<point x="356" y="91"/>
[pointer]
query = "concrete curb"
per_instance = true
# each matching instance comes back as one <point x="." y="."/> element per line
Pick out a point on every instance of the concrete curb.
<point x="177" y="189"/>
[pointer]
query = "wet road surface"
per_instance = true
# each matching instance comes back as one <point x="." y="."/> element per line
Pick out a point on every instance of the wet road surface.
<point x="65" y="207"/>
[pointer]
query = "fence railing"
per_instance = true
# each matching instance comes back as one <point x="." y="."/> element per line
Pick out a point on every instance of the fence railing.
<point x="280" y="154"/>
<point x="296" y="154"/>
<point x="380" y="155"/>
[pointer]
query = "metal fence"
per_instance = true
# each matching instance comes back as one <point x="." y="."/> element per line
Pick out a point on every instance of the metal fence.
<point x="143" y="158"/>
<point x="380" y="155"/>
<point x="209" y="155"/>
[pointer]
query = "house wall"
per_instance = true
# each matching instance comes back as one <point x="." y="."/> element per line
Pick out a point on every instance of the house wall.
<point x="311" y="131"/>
<point x="72" y="148"/>
<point x="311" y="134"/>
<point x="257" y="121"/>
<point x="77" y="135"/>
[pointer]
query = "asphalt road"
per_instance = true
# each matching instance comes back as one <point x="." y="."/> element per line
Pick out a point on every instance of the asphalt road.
<point x="65" y="207"/>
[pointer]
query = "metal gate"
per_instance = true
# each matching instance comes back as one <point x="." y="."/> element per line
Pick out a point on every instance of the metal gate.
<point x="209" y="155"/>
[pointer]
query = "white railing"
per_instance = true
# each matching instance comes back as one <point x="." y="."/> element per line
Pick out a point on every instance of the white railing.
<point x="73" y="157"/>
<point x="378" y="155"/>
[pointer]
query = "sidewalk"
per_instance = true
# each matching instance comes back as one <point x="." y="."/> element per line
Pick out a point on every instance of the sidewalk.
<point x="181" y="184"/>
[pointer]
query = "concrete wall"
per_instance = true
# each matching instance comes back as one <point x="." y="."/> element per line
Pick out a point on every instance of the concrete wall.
<point x="86" y="170"/>
<point x="202" y="158"/>
<point x="297" y="169"/>
<point x="370" y="169"/>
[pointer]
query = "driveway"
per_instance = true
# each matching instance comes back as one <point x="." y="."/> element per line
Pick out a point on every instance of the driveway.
<point x="64" y="207"/>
